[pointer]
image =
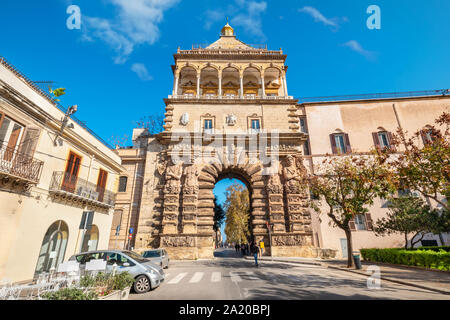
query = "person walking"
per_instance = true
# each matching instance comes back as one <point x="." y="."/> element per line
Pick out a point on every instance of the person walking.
<point x="243" y="250"/>
<point x="255" y="251"/>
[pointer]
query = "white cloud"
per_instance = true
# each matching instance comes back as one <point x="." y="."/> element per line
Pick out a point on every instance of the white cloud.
<point x="319" y="17"/>
<point x="356" y="46"/>
<point x="246" y="14"/>
<point x="142" y="72"/>
<point x="136" y="23"/>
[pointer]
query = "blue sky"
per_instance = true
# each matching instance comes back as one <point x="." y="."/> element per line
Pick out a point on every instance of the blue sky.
<point x="117" y="66"/>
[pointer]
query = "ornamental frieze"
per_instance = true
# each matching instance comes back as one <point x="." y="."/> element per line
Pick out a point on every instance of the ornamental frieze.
<point x="296" y="240"/>
<point x="178" y="241"/>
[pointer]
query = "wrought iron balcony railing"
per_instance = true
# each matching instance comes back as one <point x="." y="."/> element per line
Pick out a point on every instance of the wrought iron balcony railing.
<point x="19" y="165"/>
<point x="80" y="189"/>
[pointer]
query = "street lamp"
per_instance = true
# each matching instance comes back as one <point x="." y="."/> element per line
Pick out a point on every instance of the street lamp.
<point x="70" y="111"/>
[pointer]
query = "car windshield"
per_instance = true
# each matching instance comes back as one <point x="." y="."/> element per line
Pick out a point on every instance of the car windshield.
<point x="152" y="254"/>
<point x="135" y="256"/>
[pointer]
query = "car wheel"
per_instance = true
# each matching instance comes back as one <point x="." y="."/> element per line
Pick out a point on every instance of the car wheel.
<point x="142" y="284"/>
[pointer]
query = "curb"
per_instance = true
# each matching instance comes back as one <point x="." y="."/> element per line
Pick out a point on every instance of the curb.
<point x="396" y="281"/>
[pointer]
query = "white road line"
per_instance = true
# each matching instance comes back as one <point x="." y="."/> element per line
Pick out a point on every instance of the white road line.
<point x="177" y="278"/>
<point x="196" y="277"/>
<point x="251" y="275"/>
<point x="235" y="277"/>
<point x="216" y="277"/>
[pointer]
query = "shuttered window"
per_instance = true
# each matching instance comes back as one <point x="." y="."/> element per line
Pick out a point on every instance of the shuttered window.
<point x="383" y="140"/>
<point x="123" y="184"/>
<point x="30" y="140"/>
<point x="340" y="143"/>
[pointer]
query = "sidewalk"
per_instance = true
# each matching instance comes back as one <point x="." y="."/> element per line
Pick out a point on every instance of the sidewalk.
<point x="434" y="280"/>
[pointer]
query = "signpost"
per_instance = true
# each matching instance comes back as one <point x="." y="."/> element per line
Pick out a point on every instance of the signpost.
<point x="117" y="234"/>
<point x="130" y="236"/>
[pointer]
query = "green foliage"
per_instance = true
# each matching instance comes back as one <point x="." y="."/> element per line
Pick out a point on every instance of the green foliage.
<point x="237" y="208"/>
<point x="71" y="294"/>
<point x="57" y="93"/>
<point x="421" y="257"/>
<point x="105" y="283"/>
<point x="219" y="215"/>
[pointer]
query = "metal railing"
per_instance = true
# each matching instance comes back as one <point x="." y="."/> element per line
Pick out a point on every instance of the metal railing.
<point x="73" y="185"/>
<point x="17" y="164"/>
<point x="375" y="96"/>
<point x="48" y="96"/>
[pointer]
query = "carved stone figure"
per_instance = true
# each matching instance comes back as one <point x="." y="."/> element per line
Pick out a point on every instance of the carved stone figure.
<point x="294" y="173"/>
<point x="178" y="241"/>
<point x="288" y="240"/>
<point x="184" y="119"/>
<point x="191" y="180"/>
<point x="274" y="184"/>
<point x="231" y="119"/>
<point x="173" y="176"/>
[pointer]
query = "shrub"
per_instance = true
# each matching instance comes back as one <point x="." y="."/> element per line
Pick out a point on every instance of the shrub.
<point x="422" y="258"/>
<point x="71" y="294"/>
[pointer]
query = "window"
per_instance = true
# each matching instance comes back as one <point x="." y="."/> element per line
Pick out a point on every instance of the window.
<point x="71" y="173"/>
<point x="101" y="184"/>
<point x="255" y="125"/>
<point x="339" y="139"/>
<point x="306" y="151"/>
<point x="123" y="184"/>
<point x="90" y="240"/>
<point x="383" y="140"/>
<point x="360" y="222"/>
<point x="427" y="136"/>
<point x="152" y="254"/>
<point x="340" y="143"/>
<point x="113" y="257"/>
<point x="10" y="134"/>
<point x="303" y="125"/>
<point x="208" y="125"/>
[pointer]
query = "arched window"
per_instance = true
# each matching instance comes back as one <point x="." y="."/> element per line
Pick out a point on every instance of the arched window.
<point x="123" y="184"/>
<point x="383" y="139"/>
<point x="53" y="247"/>
<point x="340" y="142"/>
<point x="90" y="240"/>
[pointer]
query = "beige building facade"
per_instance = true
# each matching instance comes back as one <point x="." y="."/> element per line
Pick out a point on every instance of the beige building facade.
<point x="50" y="175"/>
<point x="230" y="116"/>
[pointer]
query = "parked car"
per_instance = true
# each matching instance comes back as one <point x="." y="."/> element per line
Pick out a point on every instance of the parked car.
<point x="158" y="256"/>
<point x="148" y="275"/>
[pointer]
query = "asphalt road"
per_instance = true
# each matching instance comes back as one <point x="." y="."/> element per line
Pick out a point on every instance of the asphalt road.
<point x="228" y="277"/>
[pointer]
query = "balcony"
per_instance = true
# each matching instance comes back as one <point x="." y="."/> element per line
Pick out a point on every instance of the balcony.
<point x="217" y="97"/>
<point x="70" y="187"/>
<point x="18" y="167"/>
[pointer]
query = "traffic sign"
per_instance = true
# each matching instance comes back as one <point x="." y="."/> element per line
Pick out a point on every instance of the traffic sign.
<point x="131" y="231"/>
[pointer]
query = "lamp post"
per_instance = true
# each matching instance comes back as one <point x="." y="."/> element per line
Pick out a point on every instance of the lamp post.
<point x="70" y="111"/>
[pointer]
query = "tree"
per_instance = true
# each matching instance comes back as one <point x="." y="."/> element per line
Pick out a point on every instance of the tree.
<point x="153" y="123"/>
<point x="348" y="185"/>
<point x="406" y="215"/>
<point x="237" y="207"/>
<point x="219" y="217"/>
<point x="427" y="169"/>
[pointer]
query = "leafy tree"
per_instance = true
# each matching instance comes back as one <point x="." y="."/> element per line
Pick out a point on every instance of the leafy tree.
<point x="237" y="207"/>
<point x="153" y="123"/>
<point x="406" y="215"/>
<point x="348" y="185"/>
<point x="427" y="169"/>
<point x="219" y="217"/>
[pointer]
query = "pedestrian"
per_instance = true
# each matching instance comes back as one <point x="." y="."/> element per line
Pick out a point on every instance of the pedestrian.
<point x="243" y="250"/>
<point x="255" y="251"/>
<point x="261" y="247"/>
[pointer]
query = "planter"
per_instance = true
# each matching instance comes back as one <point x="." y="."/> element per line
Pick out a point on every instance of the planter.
<point x="117" y="295"/>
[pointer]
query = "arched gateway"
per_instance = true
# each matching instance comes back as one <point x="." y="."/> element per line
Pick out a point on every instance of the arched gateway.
<point x="229" y="116"/>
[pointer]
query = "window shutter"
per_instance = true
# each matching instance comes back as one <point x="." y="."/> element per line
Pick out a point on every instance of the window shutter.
<point x="333" y="144"/>
<point x="351" y="224"/>
<point x="369" y="222"/>
<point x="348" y="148"/>
<point x="376" y="140"/>
<point x="29" y="142"/>
<point x="391" y="139"/>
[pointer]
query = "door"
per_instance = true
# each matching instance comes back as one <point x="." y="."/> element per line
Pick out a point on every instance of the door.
<point x="71" y="174"/>
<point x="101" y="184"/>
<point x="344" y="248"/>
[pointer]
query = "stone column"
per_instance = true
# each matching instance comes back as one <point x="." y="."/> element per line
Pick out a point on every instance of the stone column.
<point x="175" y="86"/>
<point x="241" y="78"/>
<point x="220" y="83"/>
<point x="285" y="86"/>
<point x="198" y="84"/>
<point x="263" y="86"/>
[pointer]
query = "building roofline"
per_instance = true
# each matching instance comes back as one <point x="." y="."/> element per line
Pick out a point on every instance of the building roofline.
<point x="426" y="94"/>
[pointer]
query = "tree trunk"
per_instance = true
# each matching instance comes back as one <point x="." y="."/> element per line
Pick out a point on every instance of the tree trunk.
<point x="406" y="240"/>
<point x="348" y="235"/>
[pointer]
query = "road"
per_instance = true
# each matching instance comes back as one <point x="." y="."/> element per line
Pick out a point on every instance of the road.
<point x="227" y="277"/>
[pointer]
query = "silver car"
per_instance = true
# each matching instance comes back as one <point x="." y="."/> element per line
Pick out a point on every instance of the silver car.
<point x="147" y="274"/>
<point x="158" y="256"/>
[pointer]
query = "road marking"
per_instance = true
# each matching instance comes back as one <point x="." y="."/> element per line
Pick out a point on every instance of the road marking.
<point x="251" y="275"/>
<point x="216" y="277"/>
<point x="196" y="277"/>
<point x="178" y="278"/>
<point x="235" y="277"/>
